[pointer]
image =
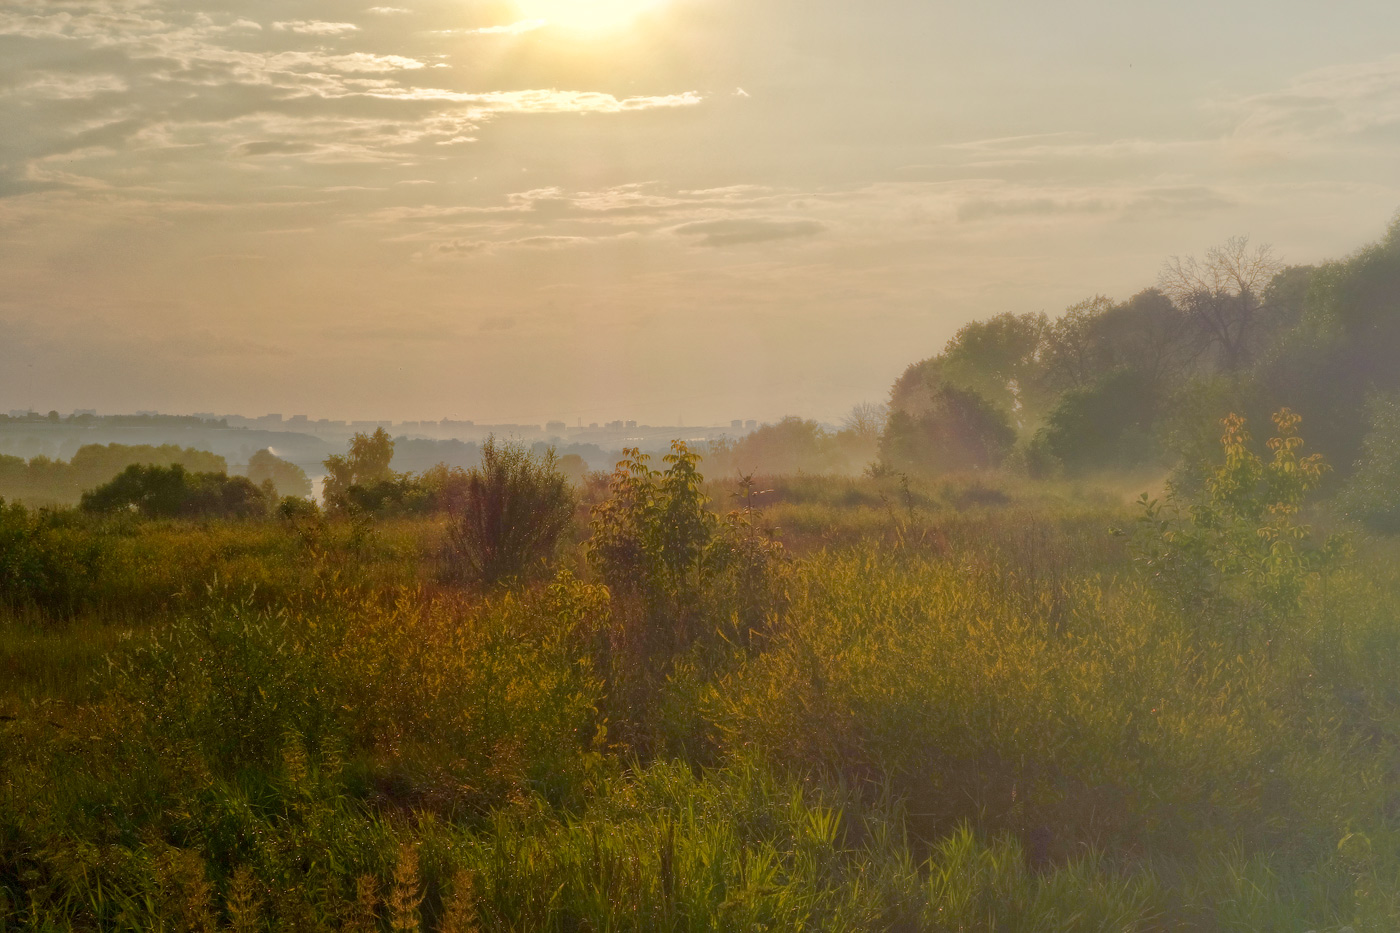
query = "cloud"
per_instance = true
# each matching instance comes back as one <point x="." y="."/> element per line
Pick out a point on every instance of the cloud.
<point x="275" y="147"/>
<point x="539" y="101"/>
<point x="315" y="27"/>
<point x="740" y="231"/>
<point x="512" y="29"/>
<point x="550" y="242"/>
<point x="1125" y="201"/>
<point x="1324" y="106"/>
<point x="136" y="79"/>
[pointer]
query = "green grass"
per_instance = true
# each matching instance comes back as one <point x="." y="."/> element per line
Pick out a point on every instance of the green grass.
<point x="972" y="714"/>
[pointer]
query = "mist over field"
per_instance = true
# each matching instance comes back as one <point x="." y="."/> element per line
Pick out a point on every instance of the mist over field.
<point x="693" y="465"/>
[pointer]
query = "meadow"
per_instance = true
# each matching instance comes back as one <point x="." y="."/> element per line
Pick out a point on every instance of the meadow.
<point x="804" y="703"/>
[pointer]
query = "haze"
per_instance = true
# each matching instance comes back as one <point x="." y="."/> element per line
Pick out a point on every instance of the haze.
<point x="695" y="210"/>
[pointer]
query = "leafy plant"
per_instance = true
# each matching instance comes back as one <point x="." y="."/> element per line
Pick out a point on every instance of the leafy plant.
<point x="1240" y="545"/>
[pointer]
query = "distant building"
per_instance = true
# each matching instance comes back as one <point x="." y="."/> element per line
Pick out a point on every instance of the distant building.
<point x="79" y="412"/>
<point x="614" y="425"/>
<point x="631" y="424"/>
<point x="737" y="423"/>
<point x="751" y="424"/>
<point x="555" y="427"/>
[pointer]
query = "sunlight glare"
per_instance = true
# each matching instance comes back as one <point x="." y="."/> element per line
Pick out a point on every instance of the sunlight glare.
<point x="586" y="16"/>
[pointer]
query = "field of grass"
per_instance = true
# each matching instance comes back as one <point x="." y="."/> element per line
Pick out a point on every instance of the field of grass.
<point x="949" y="707"/>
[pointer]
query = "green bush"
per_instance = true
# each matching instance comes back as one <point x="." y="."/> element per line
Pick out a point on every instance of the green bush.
<point x="658" y="546"/>
<point x="1372" y="496"/>
<point x="44" y="562"/>
<point x="507" y="521"/>
<point x="1238" y="549"/>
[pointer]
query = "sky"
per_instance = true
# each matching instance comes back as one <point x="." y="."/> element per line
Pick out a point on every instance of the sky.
<point x="674" y="211"/>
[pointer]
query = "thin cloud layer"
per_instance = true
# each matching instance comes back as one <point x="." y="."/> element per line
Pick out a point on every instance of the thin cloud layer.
<point x="750" y="230"/>
<point x="443" y="201"/>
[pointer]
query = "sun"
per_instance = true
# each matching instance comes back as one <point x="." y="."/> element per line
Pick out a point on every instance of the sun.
<point x="586" y="16"/>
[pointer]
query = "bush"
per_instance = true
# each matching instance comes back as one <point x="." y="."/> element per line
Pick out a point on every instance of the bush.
<point x="40" y="565"/>
<point x="658" y="547"/>
<point x="510" y="516"/>
<point x="1239" y="545"/>
<point x="1372" y="497"/>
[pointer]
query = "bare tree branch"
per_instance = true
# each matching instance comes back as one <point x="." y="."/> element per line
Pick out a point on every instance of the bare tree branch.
<point x="1224" y="293"/>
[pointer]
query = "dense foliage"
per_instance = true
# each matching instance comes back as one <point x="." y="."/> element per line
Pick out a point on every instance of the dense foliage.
<point x="936" y="707"/>
<point x="170" y="492"/>
<point x="1111" y="386"/>
<point x="42" y="481"/>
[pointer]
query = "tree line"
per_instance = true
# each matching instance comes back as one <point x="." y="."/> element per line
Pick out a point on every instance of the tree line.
<point x="1142" y="383"/>
<point x="42" y="481"/>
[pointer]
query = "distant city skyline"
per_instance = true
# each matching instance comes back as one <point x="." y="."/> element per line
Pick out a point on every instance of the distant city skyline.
<point x="281" y="419"/>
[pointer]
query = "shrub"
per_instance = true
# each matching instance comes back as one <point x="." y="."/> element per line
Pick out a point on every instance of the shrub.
<point x="1239" y="544"/>
<point x="293" y="508"/>
<point x="41" y="565"/>
<point x="648" y="539"/>
<point x="510" y="517"/>
<point x="1372" y="496"/>
<point x="657" y="545"/>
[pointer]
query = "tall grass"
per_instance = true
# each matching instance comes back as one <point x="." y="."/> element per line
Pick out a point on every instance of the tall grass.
<point x="955" y="717"/>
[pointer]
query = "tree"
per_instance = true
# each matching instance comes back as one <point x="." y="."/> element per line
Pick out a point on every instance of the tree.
<point x="573" y="468"/>
<point x="792" y="445"/>
<point x="1345" y="350"/>
<point x="866" y="420"/>
<point x="1105" y="424"/>
<point x="171" y="492"/>
<point x="1000" y="360"/>
<point x="959" y="430"/>
<point x="1149" y="334"/>
<point x="1073" y="350"/>
<point x="1224" y="295"/>
<point x="366" y="463"/>
<point x="287" y="478"/>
